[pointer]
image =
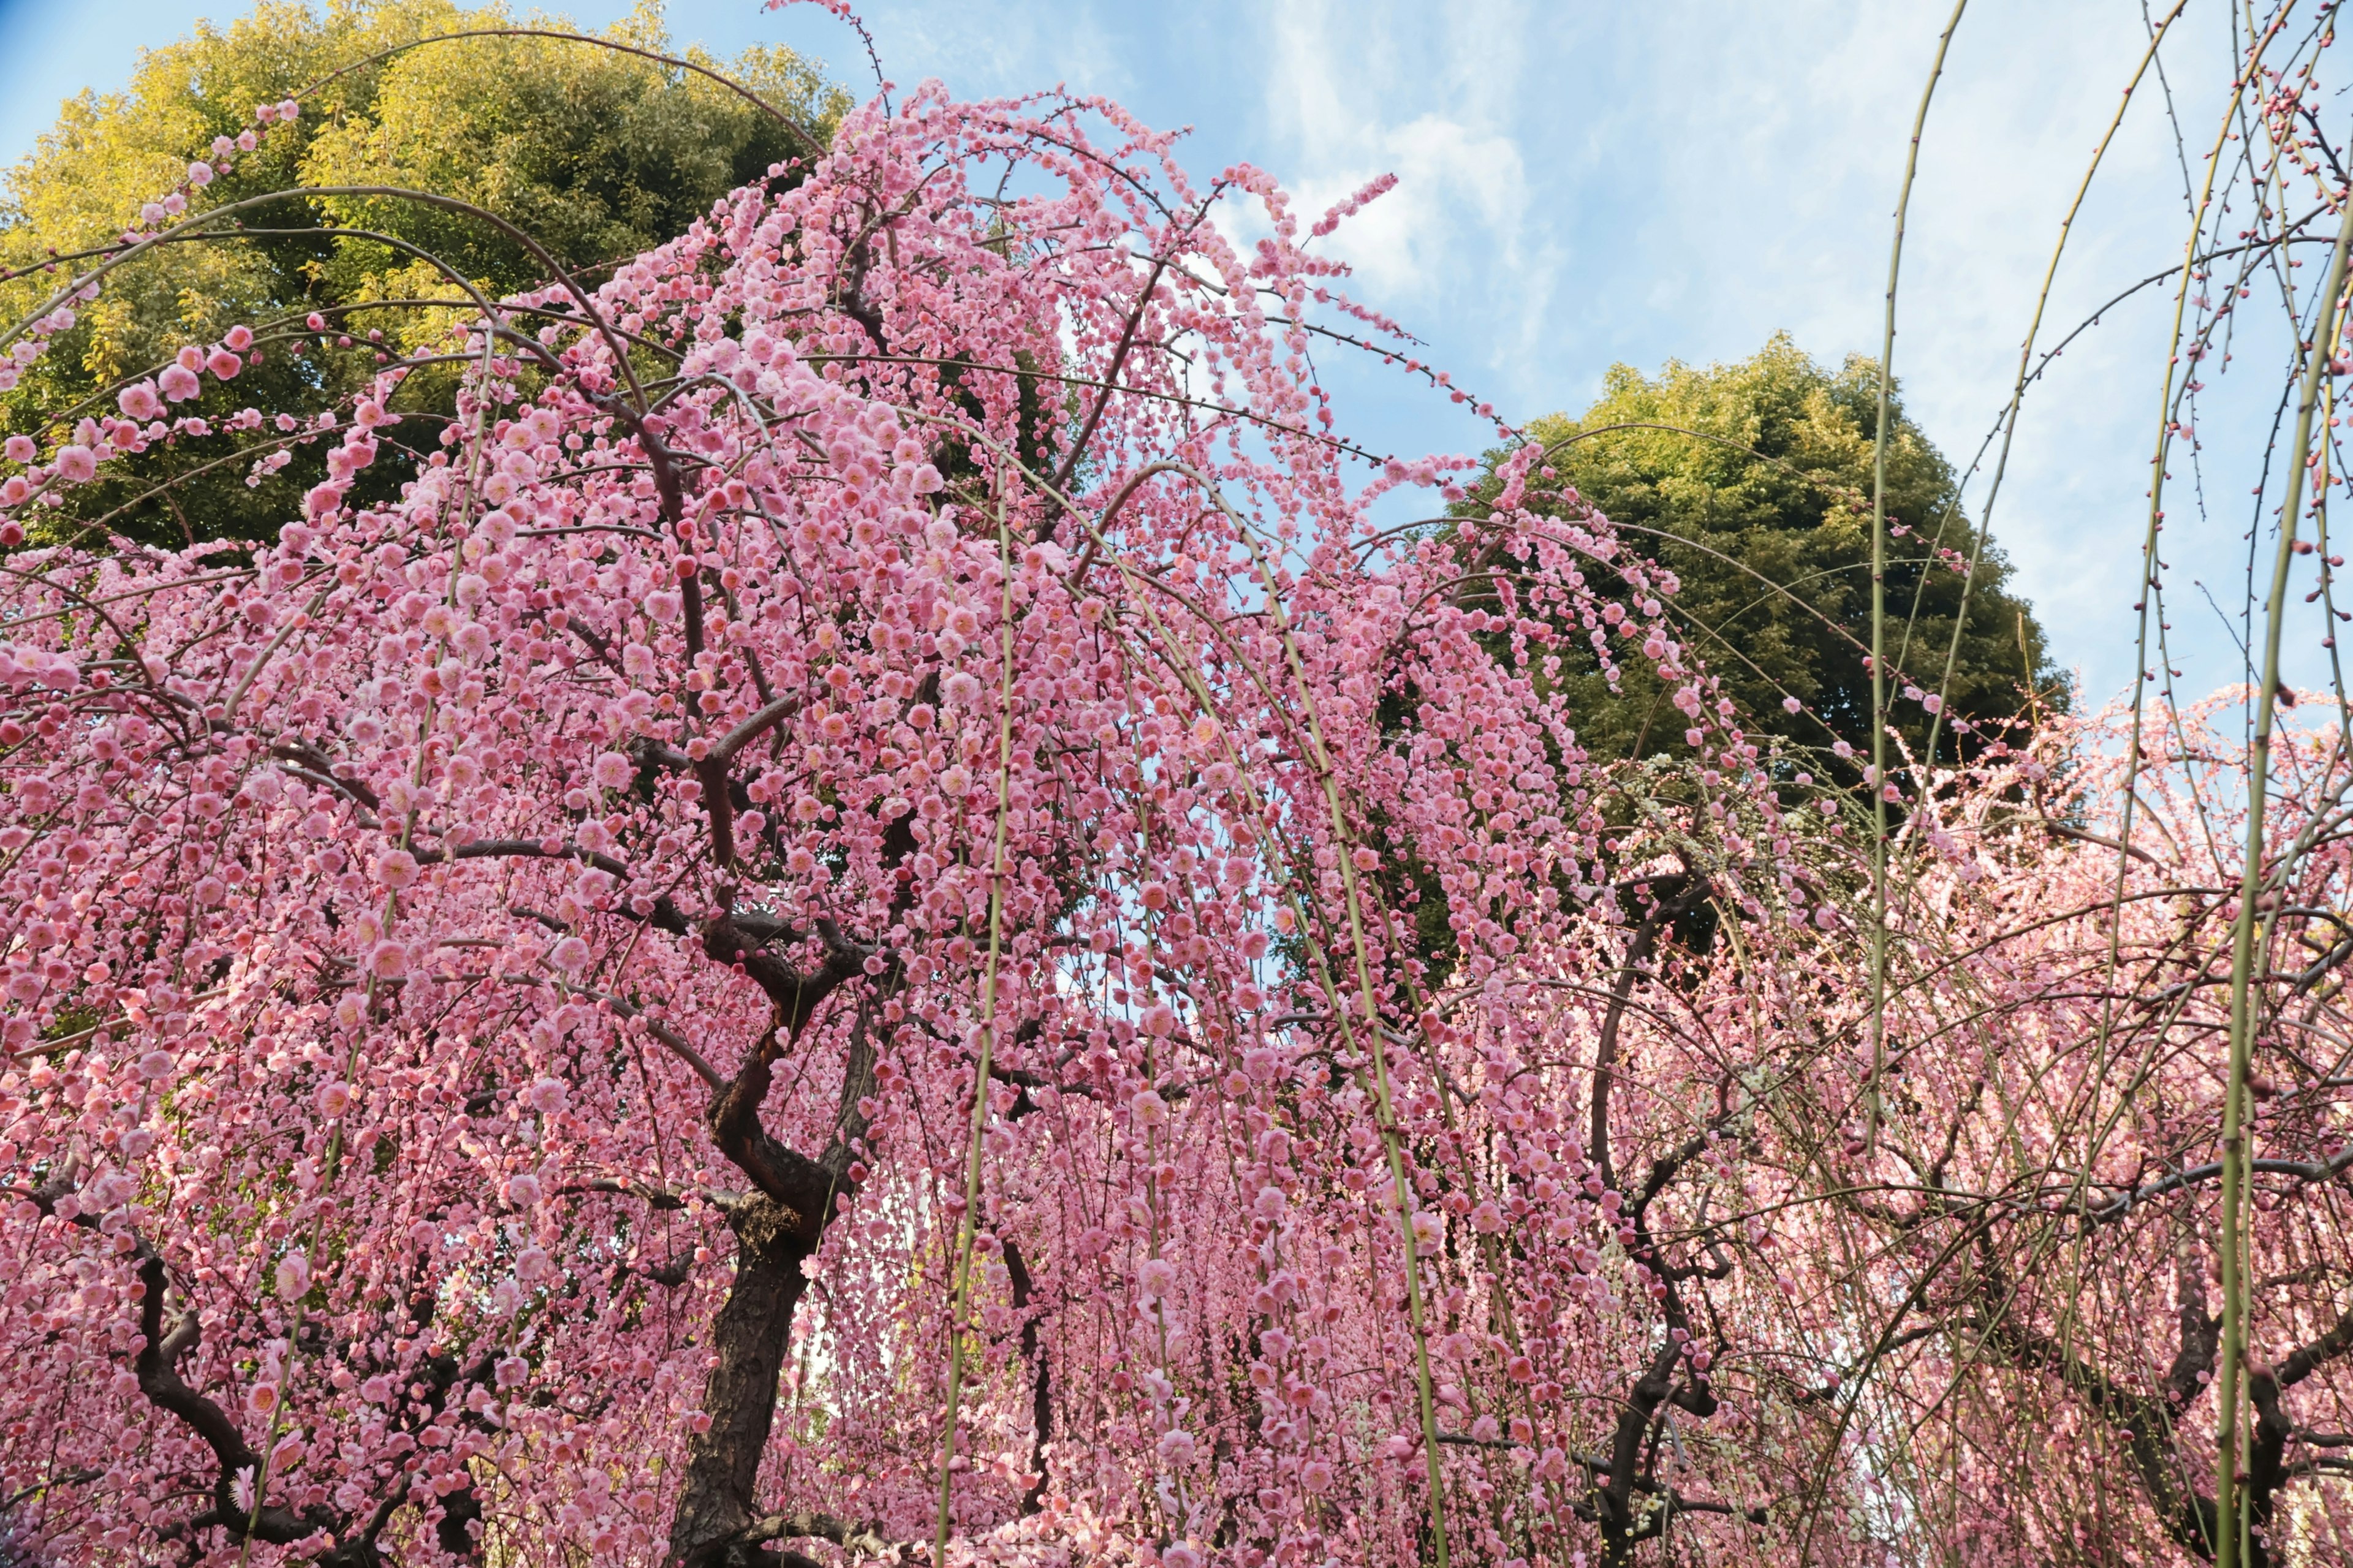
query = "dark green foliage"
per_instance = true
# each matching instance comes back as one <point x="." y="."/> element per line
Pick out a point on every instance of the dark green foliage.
<point x="1764" y="515"/>
<point x="597" y="154"/>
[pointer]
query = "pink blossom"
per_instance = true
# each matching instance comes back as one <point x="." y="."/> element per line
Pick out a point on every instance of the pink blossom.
<point x="547" y="971"/>
<point x="1428" y="1230"/>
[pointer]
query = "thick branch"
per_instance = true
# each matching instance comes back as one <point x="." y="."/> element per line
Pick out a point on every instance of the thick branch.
<point x="157" y="1368"/>
<point x="2187" y="1517"/>
<point x="319" y="768"/>
<point x="1624" y="1522"/>
<point x="718" y="1523"/>
<point x="857" y="1539"/>
<point x="2313" y="1170"/>
<point x="2202" y="1332"/>
<point x="715" y="1526"/>
<point x="1662" y="913"/>
<point x="2308" y="1359"/>
<point x="796" y="996"/>
<point x="753" y="728"/>
<point x="1042" y="1383"/>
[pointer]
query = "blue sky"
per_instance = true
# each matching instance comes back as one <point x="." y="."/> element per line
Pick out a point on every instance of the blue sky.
<point x="1586" y="181"/>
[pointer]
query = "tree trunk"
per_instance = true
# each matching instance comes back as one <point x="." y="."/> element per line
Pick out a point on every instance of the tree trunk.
<point x="750" y="1334"/>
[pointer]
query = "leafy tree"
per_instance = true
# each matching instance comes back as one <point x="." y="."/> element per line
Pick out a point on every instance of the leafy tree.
<point x="1752" y="482"/>
<point x="596" y="154"/>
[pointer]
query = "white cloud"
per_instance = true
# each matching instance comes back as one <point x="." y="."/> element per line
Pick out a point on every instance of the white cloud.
<point x="1352" y="92"/>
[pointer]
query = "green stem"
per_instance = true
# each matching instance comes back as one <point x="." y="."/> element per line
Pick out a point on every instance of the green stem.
<point x="2026" y="360"/>
<point x="1879" y="591"/>
<point x="2230" y="1354"/>
<point x="962" y="1302"/>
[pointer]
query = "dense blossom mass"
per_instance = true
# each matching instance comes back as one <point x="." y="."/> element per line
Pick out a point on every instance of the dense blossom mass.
<point x="852" y="907"/>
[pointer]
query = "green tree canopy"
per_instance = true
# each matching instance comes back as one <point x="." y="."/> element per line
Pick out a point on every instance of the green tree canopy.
<point x="1763" y="512"/>
<point x="596" y="154"/>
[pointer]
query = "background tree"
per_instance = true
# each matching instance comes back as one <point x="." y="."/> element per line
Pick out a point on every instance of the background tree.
<point x="1765" y="518"/>
<point x="597" y="154"/>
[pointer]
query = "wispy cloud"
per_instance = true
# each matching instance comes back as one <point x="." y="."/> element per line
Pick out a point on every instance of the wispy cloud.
<point x="1357" y="91"/>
